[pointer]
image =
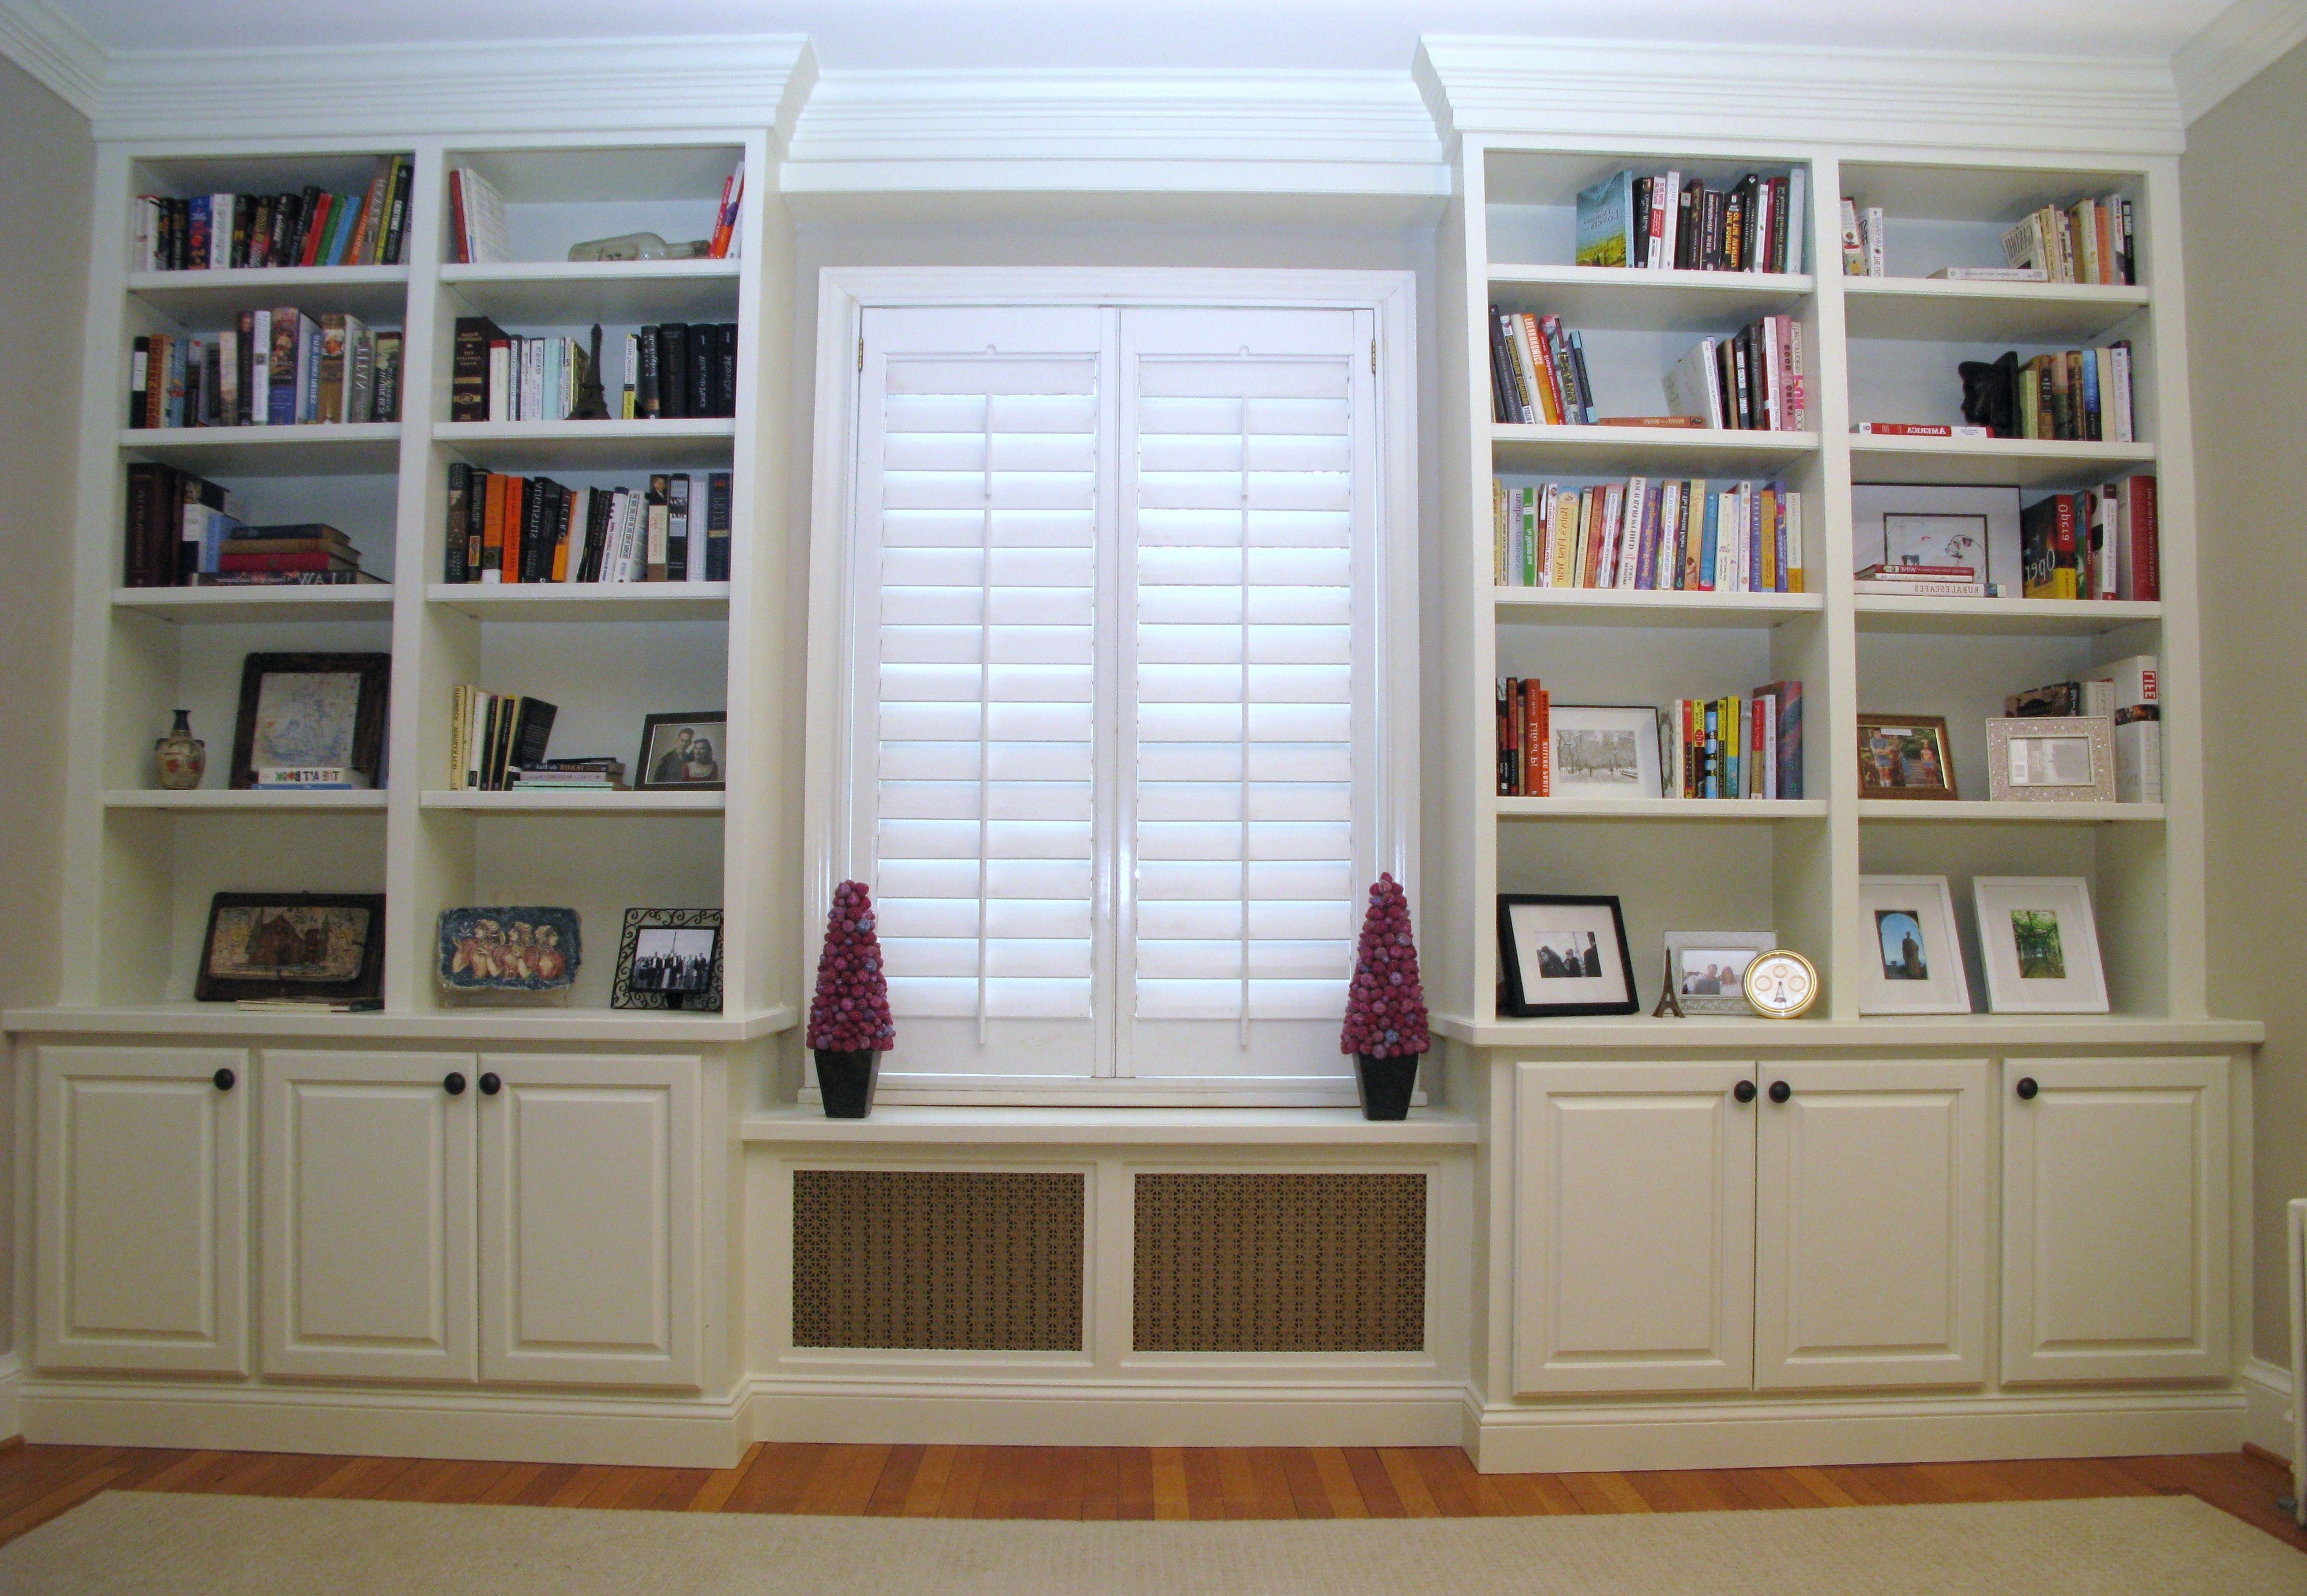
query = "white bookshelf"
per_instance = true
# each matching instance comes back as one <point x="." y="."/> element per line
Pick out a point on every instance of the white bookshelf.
<point x="140" y="863"/>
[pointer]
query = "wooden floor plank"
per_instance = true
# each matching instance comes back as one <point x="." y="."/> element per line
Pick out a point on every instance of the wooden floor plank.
<point x="1605" y="1493"/>
<point x="778" y="1481"/>
<point x="1401" y="1465"/>
<point x="512" y="1482"/>
<point x="1373" y="1483"/>
<point x="1449" y="1479"/>
<point x="1204" y="1490"/>
<point x="1101" y="1494"/>
<point x="927" y="1489"/>
<point x="1816" y="1482"/>
<point x="714" y="1494"/>
<point x="1068" y="1481"/>
<point x="962" y="1487"/>
<point x="549" y="1483"/>
<point x="1340" y="1484"/>
<point x="1309" y="1495"/>
<point x="896" y="1483"/>
<point x="1269" y="1480"/>
<point x="1172" y="1498"/>
<point x="844" y="1479"/>
<point x="66" y="1496"/>
<point x="1236" y="1482"/>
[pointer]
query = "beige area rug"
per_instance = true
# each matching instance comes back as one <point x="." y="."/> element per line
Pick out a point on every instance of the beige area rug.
<point x="253" y="1546"/>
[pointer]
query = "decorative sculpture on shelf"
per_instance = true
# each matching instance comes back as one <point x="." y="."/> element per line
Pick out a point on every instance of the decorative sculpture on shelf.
<point x="1385" y="1007"/>
<point x="1990" y="394"/>
<point x="592" y="405"/>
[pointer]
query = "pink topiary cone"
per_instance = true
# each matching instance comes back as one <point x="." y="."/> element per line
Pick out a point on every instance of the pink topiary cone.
<point x="1385" y="1005"/>
<point x="850" y="1012"/>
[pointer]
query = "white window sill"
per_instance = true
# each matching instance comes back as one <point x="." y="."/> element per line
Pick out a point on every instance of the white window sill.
<point x="934" y="1125"/>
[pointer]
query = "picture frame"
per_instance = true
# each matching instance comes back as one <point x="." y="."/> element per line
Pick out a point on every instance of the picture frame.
<point x="1921" y="523"/>
<point x="1905" y="757"/>
<point x="519" y="950"/>
<point x="2039" y="939"/>
<point x="1708" y="968"/>
<point x="1607" y="751"/>
<point x="2057" y="759"/>
<point x="669" y="758"/>
<point x="1917" y="967"/>
<point x="312" y="945"/>
<point x="1539" y="932"/>
<point x="303" y="715"/>
<point x="683" y="934"/>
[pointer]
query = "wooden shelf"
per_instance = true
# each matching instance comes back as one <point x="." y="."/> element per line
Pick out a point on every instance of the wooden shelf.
<point x="1881" y="612"/>
<point x="215" y="606"/>
<point x="1619" y="607"/>
<point x="584" y="601"/>
<point x="567" y="292"/>
<point x="703" y="445"/>
<point x="226" y="800"/>
<point x="1985" y="809"/>
<point x="1614" y="298"/>
<point x="204" y="300"/>
<point x="1697" y="451"/>
<point x="1659" y="808"/>
<point x="1939" y="310"/>
<point x="174" y="1020"/>
<point x="1096" y="1125"/>
<point x="1761" y="1037"/>
<point x="371" y="449"/>
<point x="572" y="801"/>
<point x="2006" y="462"/>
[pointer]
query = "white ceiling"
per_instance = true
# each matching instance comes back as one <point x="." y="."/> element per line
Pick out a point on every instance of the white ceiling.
<point x="1375" y="35"/>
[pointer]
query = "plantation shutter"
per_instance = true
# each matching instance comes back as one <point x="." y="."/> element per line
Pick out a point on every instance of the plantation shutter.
<point x="1243" y="525"/>
<point x="978" y="531"/>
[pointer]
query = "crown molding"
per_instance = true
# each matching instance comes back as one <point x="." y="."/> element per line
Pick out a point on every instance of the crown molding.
<point x="1206" y="132"/>
<point x="2239" y="44"/>
<point x="51" y="47"/>
<point x="1580" y="89"/>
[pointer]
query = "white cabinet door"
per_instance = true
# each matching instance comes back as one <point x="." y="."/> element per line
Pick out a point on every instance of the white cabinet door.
<point x="143" y="1189"/>
<point x="1633" y="1228"/>
<point x="589" y="1213"/>
<point x="2114" y="1219"/>
<point x="368" y="1214"/>
<point x="1871" y="1226"/>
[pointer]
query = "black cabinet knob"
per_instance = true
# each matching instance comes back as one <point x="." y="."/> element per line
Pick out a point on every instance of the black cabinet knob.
<point x="225" y="1079"/>
<point x="453" y="1084"/>
<point x="1744" y="1091"/>
<point x="490" y="1083"/>
<point x="2028" y="1088"/>
<point x="1781" y="1091"/>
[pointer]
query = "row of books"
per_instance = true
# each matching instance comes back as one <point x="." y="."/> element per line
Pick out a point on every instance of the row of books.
<point x="1525" y="738"/>
<point x="2126" y="692"/>
<point x="314" y="227"/>
<point x="2077" y="396"/>
<point x="1735" y="748"/>
<point x="492" y="735"/>
<point x="478" y="233"/>
<point x="506" y="528"/>
<point x="1751" y="382"/>
<point x="181" y="532"/>
<point x="1675" y="534"/>
<point x="1662" y="223"/>
<point x="2099" y="544"/>
<point x="673" y="370"/>
<point x="2091" y="241"/>
<point x="275" y="368"/>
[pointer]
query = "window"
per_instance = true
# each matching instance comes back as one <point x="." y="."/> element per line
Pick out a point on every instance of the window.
<point x="1118" y="603"/>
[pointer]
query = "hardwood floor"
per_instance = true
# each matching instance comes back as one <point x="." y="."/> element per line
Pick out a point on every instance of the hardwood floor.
<point x="36" y="1483"/>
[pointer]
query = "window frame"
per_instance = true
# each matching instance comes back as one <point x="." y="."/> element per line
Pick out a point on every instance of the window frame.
<point x="829" y="751"/>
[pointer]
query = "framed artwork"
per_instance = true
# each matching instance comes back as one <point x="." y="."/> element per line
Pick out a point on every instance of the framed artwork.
<point x="497" y="950"/>
<point x="1560" y="956"/>
<point x="1914" y="963"/>
<point x="669" y="958"/>
<point x="1605" y="751"/>
<point x="2040" y="944"/>
<point x="683" y="752"/>
<point x="1708" y="968"/>
<point x="292" y="945"/>
<point x="314" y="720"/>
<point x="1926" y="524"/>
<point x="1905" y="757"/>
<point x="2057" y="759"/>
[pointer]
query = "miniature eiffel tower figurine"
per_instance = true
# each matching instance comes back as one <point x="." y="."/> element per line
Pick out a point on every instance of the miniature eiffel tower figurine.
<point x="1669" y="1000"/>
<point x="592" y="405"/>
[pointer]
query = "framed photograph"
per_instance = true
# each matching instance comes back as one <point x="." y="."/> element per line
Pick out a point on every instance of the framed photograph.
<point x="1927" y="524"/>
<point x="2040" y="944"/>
<point x="1915" y="963"/>
<point x="313" y="721"/>
<point x="1560" y="956"/>
<point x="1905" y="757"/>
<point x="1605" y="751"/>
<point x="683" y="752"/>
<point x="1710" y="968"/>
<point x="669" y="958"/>
<point x="292" y="945"/>
<point x="2059" y="759"/>
<point x="524" y="949"/>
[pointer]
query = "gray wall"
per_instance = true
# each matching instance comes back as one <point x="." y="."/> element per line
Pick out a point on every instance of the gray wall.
<point x="2247" y="313"/>
<point x="46" y="171"/>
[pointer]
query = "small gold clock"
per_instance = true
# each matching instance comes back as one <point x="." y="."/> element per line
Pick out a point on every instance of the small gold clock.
<point x="1781" y="984"/>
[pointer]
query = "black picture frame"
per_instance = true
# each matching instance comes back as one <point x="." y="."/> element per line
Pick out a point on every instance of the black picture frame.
<point x="367" y="982"/>
<point x="644" y="773"/>
<point x="367" y="751"/>
<point x="1517" y="1003"/>
<point x="625" y="992"/>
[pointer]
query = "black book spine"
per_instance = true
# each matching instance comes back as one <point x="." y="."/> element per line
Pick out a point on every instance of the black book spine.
<point x="135" y="565"/>
<point x="243" y="205"/>
<point x="673" y="371"/>
<point x="532" y="527"/>
<point x="724" y="371"/>
<point x="140" y="377"/>
<point x="649" y="357"/>
<point x="396" y="209"/>
<point x="488" y="772"/>
<point x="259" y="250"/>
<point x="453" y="532"/>
<point x="308" y="206"/>
<point x="1506" y="408"/>
<point x="468" y="370"/>
<point x="716" y="526"/>
<point x="477" y="521"/>
<point x="677" y="514"/>
<point x="1781" y="222"/>
<point x="284" y="225"/>
<point x="533" y="732"/>
<point x="704" y="356"/>
<point x="603" y="511"/>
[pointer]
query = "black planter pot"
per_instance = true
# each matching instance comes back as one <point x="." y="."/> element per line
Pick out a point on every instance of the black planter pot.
<point x="1384" y="1085"/>
<point x="847" y="1080"/>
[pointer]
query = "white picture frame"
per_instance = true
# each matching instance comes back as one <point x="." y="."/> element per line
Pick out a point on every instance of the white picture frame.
<point x="1927" y="508"/>
<point x="1915" y="963"/>
<point x="1607" y="751"/>
<point x="2040" y="942"/>
<point x="2066" y="759"/>
<point x="1692" y="955"/>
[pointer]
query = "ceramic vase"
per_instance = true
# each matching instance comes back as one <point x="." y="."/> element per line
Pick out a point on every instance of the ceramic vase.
<point x="180" y="758"/>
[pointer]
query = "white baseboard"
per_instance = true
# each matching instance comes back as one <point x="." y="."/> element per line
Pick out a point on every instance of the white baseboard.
<point x="2267" y="1419"/>
<point x="1517" y="1439"/>
<point x="1170" y="1413"/>
<point x="515" y="1428"/>
<point x="12" y="1381"/>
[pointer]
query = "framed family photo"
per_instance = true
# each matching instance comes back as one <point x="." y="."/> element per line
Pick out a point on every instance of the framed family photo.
<point x="1605" y="751"/>
<point x="1561" y="955"/>
<point x="669" y="958"/>
<point x="2058" y="759"/>
<point x="1708" y="968"/>
<point x="2040" y="944"/>
<point x="313" y="945"/>
<point x="683" y="752"/>
<point x="1914" y="965"/>
<point x="1905" y="757"/>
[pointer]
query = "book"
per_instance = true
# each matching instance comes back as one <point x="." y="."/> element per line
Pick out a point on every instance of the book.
<point x="1916" y="572"/>
<point x="1917" y="429"/>
<point x="363" y="226"/>
<point x="1646" y="534"/>
<point x="1991" y="274"/>
<point x="476" y="213"/>
<point x="716" y="526"/>
<point x="1923" y="590"/>
<point x="1605" y="222"/>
